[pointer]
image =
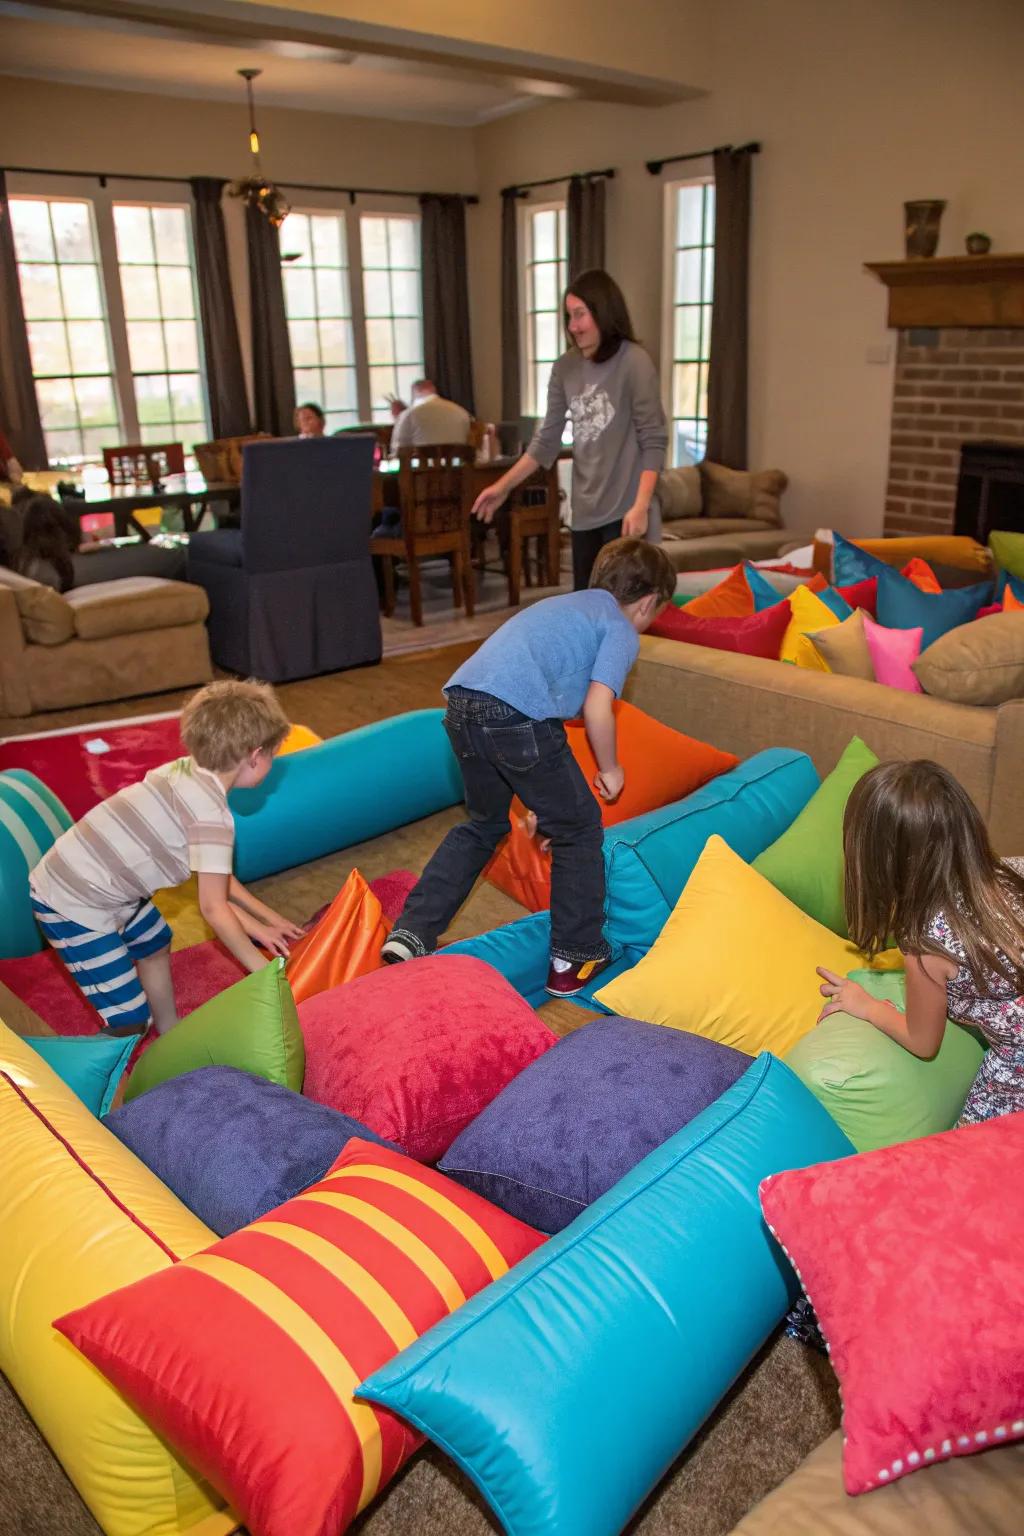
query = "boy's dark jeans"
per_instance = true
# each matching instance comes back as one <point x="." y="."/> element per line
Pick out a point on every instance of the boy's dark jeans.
<point x="503" y="753"/>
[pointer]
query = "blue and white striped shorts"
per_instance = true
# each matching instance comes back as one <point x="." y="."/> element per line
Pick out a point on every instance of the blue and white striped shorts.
<point x="103" y="963"/>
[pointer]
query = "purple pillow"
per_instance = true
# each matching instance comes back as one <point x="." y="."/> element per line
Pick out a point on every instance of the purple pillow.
<point x="232" y="1146"/>
<point x="586" y="1112"/>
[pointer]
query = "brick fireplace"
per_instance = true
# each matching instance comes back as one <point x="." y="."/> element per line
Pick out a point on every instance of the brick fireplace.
<point x="959" y="377"/>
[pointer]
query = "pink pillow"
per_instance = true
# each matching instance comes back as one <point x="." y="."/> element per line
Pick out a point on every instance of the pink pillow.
<point x="913" y="1261"/>
<point x="758" y="635"/>
<point x="415" y="1051"/>
<point x="983" y="613"/>
<point x="892" y="653"/>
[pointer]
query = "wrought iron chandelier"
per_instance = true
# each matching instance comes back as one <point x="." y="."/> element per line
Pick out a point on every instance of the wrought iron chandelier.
<point x="258" y="190"/>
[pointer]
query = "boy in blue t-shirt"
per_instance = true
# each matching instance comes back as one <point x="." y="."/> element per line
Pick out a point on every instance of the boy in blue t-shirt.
<point x="563" y="657"/>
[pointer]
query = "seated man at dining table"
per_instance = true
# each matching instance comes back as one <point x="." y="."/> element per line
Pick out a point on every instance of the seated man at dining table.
<point x="429" y="419"/>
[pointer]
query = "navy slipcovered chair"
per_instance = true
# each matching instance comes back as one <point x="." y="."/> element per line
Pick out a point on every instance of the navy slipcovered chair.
<point x="292" y="591"/>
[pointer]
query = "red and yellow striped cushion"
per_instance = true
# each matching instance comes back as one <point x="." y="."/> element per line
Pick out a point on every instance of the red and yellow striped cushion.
<point x="246" y="1356"/>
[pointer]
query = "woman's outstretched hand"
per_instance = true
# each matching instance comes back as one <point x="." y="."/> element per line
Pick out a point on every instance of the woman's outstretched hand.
<point x="488" y="502"/>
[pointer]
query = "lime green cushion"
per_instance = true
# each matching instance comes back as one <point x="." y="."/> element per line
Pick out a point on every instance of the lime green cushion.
<point x="806" y="862"/>
<point x="1008" y="552"/>
<point x="252" y="1026"/>
<point x="875" y="1090"/>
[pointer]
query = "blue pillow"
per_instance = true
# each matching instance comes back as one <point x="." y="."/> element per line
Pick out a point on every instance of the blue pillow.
<point x="91" y="1065"/>
<point x="566" y="1389"/>
<point x="835" y="602"/>
<point x="901" y="605"/>
<point x="1015" y="584"/>
<point x="850" y="564"/>
<point x="233" y="1146"/>
<point x="583" y="1114"/>
<point x="761" y="589"/>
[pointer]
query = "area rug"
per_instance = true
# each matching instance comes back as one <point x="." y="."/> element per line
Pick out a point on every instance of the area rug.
<point x="84" y="766"/>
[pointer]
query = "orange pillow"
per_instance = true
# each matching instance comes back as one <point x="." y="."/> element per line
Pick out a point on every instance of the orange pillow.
<point x="731" y="599"/>
<point x="921" y="574"/>
<point x="661" y="765"/>
<point x="298" y="739"/>
<point x="817" y="583"/>
<point x="345" y="943"/>
<point x="1011" y="602"/>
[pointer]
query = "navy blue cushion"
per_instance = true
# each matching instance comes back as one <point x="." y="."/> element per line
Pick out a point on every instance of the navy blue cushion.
<point x="232" y="1146"/>
<point x="585" y="1113"/>
<point x="221" y="546"/>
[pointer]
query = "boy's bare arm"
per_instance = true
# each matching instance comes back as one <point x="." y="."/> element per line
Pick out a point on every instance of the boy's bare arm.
<point x="223" y="918"/>
<point x="240" y="896"/>
<point x="599" y="723"/>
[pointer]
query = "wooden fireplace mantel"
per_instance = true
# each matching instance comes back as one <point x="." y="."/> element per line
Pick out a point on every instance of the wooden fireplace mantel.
<point x="941" y="291"/>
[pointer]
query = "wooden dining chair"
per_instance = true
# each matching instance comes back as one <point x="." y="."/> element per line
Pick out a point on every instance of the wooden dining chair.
<point x="435" y="492"/>
<point x="533" y="514"/>
<point x="137" y="463"/>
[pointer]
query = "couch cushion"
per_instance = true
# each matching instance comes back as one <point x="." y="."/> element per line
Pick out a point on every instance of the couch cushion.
<point x="45" y="616"/>
<point x="740" y="493"/>
<point x="135" y="603"/>
<point x="977" y="663"/>
<point x="711" y="527"/>
<point x="679" y="493"/>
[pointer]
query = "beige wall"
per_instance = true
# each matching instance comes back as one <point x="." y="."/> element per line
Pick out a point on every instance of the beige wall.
<point x="859" y="105"/>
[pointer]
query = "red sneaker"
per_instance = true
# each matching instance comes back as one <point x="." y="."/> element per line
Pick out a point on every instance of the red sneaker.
<point x="567" y="977"/>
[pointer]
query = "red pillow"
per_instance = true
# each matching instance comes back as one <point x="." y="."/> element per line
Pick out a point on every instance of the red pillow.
<point x="415" y="1051"/>
<point x="913" y="1259"/>
<point x="862" y="594"/>
<point x="246" y="1356"/>
<point x="984" y="613"/>
<point x="661" y="765"/>
<point x="759" y="635"/>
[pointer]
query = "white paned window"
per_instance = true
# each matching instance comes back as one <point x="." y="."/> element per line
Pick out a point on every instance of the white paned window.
<point x="545" y="264"/>
<point x="318" y="302"/>
<point x="689" y="283"/>
<point x="66" y="317"/>
<point x="158" y="291"/>
<point x="393" y="304"/>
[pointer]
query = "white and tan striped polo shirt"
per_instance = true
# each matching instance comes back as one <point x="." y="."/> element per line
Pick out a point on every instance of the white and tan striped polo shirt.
<point x="147" y="836"/>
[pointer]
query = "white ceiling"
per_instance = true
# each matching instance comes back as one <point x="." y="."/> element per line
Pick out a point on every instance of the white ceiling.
<point x="116" y="54"/>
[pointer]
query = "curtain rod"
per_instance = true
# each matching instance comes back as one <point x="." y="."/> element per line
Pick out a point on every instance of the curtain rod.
<point x="298" y="186"/>
<point x="520" y="187"/>
<point x="655" y="166"/>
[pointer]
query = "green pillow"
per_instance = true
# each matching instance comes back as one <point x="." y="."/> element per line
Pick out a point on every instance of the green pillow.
<point x="877" y="1092"/>
<point x="252" y="1026"/>
<point x="1008" y="552"/>
<point x="806" y="862"/>
<point x="90" y="1065"/>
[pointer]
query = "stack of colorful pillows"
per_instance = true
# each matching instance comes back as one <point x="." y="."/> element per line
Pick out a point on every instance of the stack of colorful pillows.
<point x="873" y="622"/>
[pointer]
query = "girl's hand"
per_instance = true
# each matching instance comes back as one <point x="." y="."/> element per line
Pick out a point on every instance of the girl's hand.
<point x="634" y="524"/>
<point x="844" y="996"/>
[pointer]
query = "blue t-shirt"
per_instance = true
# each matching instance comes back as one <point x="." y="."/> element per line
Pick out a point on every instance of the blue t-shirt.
<point x="543" y="660"/>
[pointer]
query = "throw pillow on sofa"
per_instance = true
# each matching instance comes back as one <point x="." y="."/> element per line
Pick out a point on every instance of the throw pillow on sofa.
<point x="893" y="653"/>
<point x="585" y="1113"/>
<point x="735" y="962"/>
<point x="415" y="1051"/>
<point x="901" y="605"/>
<point x="759" y="635"/>
<point x="806" y="862"/>
<point x="730" y="598"/>
<point x="741" y="493"/>
<point x="1011" y="602"/>
<point x="1008" y="552"/>
<point x="807" y="612"/>
<point x="661" y="765"/>
<point x="844" y="648"/>
<point x="980" y="663"/>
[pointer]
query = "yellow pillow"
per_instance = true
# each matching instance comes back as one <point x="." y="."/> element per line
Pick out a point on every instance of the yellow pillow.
<point x="808" y="612"/>
<point x="735" y="961"/>
<point x="81" y="1216"/>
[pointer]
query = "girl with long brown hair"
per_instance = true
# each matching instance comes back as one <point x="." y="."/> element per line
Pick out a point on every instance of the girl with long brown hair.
<point x="921" y="874"/>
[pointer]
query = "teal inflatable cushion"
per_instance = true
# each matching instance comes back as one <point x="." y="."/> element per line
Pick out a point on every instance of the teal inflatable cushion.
<point x="879" y="1093"/>
<point x="566" y="1389"/>
<point x="345" y="790"/>
<point x="31" y="820"/>
<point x="90" y="1065"/>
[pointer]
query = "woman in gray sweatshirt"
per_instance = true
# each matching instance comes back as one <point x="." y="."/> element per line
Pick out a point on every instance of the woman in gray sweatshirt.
<point x="608" y="386"/>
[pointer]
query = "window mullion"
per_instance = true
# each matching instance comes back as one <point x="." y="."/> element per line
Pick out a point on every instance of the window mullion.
<point x="357" y="302"/>
<point x="110" y="274"/>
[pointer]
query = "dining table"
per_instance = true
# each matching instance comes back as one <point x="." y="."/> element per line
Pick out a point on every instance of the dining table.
<point x="192" y="493"/>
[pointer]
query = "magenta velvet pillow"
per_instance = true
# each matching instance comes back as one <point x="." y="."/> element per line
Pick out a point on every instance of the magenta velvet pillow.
<point x="913" y="1261"/>
<point x="415" y="1051"/>
<point x="893" y="652"/>
<point x="759" y="635"/>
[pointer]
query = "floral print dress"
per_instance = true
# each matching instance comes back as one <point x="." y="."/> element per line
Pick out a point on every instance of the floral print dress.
<point x="998" y="1088"/>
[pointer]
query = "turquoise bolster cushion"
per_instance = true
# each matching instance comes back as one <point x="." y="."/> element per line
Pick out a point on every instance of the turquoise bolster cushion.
<point x="566" y="1389"/>
<point x="31" y="820"/>
<point x="345" y="790"/>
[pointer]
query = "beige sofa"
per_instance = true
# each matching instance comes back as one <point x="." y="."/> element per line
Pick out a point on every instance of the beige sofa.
<point x="712" y="516"/>
<point x="745" y="703"/>
<point x="109" y="640"/>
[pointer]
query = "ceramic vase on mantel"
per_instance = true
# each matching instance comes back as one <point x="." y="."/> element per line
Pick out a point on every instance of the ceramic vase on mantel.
<point x="921" y="226"/>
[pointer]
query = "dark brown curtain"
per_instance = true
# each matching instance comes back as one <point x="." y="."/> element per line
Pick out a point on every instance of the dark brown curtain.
<point x="585" y="217"/>
<point x="511" y="395"/>
<point x="273" y="380"/>
<point x="727" y="371"/>
<point x="447" y="349"/>
<point x="19" y="408"/>
<point x="225" y="381"/>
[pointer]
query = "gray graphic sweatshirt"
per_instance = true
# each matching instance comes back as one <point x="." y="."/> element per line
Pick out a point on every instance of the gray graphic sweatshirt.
<point x="618" y="429"/>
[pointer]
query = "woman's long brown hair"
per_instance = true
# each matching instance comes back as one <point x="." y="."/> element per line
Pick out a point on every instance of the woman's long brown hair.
<point x="915" y="845"/>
